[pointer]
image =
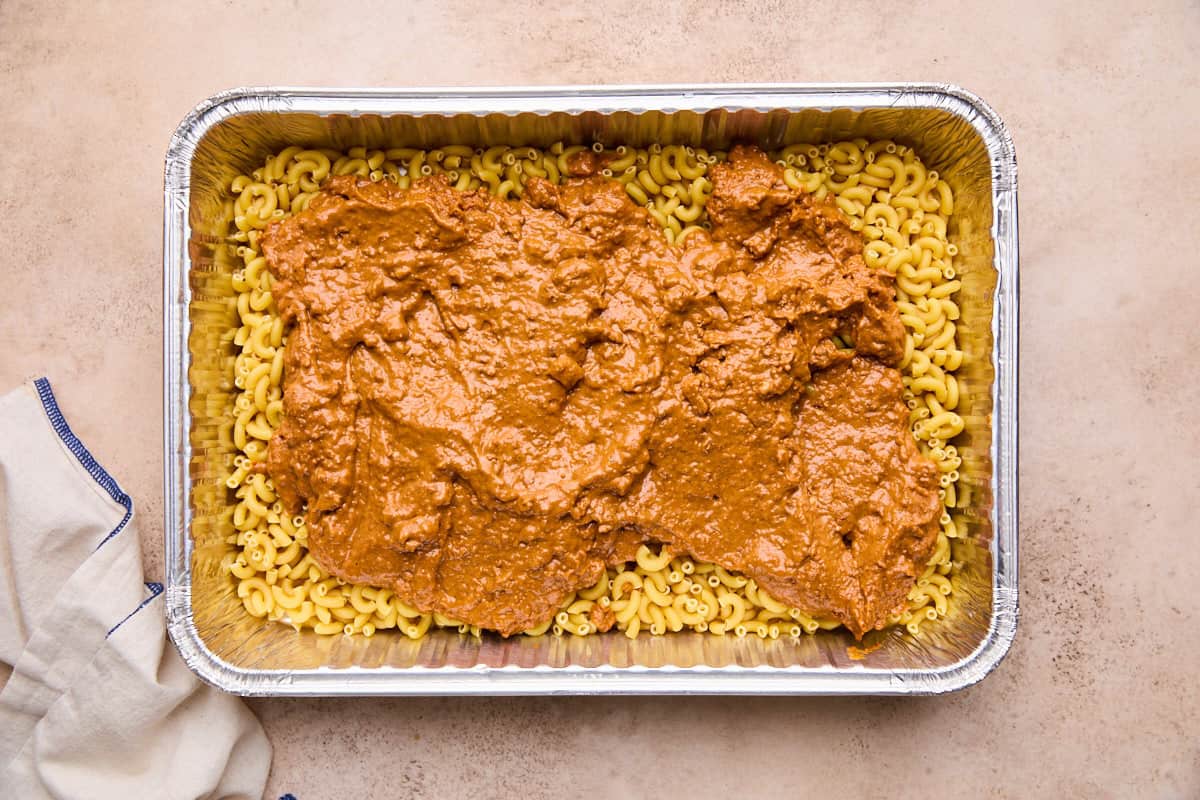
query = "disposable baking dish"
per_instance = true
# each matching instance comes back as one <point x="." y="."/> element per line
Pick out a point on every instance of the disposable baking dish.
<point x="952" y="130"/>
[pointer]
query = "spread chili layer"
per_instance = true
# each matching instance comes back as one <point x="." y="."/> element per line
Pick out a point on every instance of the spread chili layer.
<point x="488" y="402"/>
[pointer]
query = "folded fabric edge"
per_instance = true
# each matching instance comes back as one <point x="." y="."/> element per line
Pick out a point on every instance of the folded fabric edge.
<point x="155" y="590"/>
<point x="86" y="460"/>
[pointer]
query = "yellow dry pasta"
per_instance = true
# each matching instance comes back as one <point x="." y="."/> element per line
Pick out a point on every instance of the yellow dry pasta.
<point x="904" y="212"/>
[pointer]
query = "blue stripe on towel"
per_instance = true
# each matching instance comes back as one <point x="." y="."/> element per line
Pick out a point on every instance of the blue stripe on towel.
<point x="89" y="463"/>
<point x="155" y="590"/>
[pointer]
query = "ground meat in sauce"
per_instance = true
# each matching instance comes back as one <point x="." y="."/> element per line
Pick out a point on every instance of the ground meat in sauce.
<point x="487" y="402"/>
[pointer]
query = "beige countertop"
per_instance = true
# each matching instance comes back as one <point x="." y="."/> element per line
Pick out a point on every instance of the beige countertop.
<point x="1103" y="99"/>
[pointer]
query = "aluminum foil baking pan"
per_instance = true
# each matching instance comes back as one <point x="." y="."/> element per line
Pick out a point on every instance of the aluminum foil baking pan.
<point x="230" y="133"/>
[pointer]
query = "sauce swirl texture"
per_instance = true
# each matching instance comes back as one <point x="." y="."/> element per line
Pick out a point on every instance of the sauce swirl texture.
<point x="487" y="402"/>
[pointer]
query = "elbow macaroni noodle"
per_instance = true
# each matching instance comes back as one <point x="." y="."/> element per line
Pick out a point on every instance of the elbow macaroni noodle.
<point x="903" y="212"/>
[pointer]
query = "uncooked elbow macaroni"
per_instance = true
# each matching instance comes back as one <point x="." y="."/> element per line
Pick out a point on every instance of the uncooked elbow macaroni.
<point x="903" y="212"/>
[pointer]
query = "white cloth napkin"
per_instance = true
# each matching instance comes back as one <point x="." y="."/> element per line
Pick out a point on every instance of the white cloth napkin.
<point x="99" y="704"/>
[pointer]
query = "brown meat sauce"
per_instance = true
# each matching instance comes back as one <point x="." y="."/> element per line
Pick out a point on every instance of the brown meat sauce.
<point x="487" y="402"/>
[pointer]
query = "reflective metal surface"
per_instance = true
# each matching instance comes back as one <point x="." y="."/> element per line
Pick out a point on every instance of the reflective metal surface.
<point x="230" y="133"/>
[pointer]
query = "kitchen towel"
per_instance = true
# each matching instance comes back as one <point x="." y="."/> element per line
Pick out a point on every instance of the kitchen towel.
<point x="98" y="703"/>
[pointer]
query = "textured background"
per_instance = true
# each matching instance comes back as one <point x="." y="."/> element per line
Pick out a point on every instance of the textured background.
<point x="1103" y="100"/>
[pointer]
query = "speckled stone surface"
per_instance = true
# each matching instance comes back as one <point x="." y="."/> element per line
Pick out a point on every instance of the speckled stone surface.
<point x="1098" y="698"/>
